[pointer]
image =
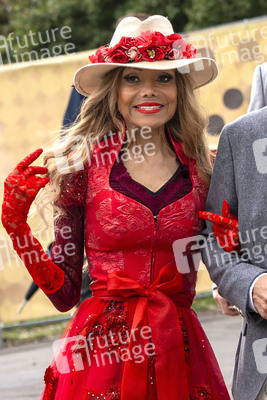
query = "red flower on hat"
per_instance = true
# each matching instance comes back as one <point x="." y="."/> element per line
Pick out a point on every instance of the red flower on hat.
<point x="119" y="56"/>
<point x="158" y="39"/>
<point x="173" y="54"/>
<point x="149" y="46"/>
<point x="174" y="36"/>
<point x="155" y="54"/>
<point x="126" y="42"/>
<point x="146" y="38"/>
<point x="99" y="56"/>
<point x="189" y="51"/>
<point x="133" y="52"/>
<point x="159" y="54"/>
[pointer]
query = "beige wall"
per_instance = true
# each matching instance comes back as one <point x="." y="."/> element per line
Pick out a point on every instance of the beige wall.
<point x="32" y="103"/>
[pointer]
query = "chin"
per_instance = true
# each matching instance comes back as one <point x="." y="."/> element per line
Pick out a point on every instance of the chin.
<point x="152" y="123"/>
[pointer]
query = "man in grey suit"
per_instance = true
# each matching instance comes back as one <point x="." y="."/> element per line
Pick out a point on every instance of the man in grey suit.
<point x="258" y="97"/>
<point x="240" y="177"/>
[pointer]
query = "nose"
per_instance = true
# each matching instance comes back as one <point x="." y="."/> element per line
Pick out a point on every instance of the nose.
<point x="148" y="88"/>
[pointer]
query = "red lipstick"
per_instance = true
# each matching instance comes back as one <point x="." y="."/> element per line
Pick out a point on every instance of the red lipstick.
<point x="149" y="108"/>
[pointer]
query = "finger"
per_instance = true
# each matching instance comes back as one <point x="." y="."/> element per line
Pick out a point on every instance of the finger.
<point x="231" y="313"/>
<point x="208" y="216"/>
<point x="226" y="308"/>
<point x="35" y="170"/>
<point x="27" y="161"/>
<point x="42" y="182"/>
<point x="34" y="182"/>
<point x="227" y="224"/>
<point x="218" y="219"/>
<point x="226" y="209"/>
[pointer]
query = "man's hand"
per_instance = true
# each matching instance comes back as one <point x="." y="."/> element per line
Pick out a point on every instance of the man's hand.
<point x="223" y="304"/>
<point x="259" y="296"/>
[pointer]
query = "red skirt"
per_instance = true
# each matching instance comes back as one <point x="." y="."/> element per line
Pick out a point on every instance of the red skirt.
<point x="101" y="356"/>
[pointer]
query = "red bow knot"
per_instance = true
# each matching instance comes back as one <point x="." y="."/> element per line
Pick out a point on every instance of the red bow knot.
<point x="156" y="310"/>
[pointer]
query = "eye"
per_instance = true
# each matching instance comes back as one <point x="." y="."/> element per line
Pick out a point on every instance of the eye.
<point x="131" y="78"/>
<point x="165" y="78"/>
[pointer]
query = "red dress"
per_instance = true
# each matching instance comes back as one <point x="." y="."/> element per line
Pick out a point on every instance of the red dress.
<point x="136" y="338"/>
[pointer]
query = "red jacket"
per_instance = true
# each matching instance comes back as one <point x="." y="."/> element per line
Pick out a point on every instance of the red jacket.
<point x="122" y="234"/>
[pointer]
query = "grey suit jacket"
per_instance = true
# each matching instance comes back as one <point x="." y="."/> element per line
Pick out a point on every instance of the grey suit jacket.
<point x="258" y="96"/>
<point x="240" y="177"/>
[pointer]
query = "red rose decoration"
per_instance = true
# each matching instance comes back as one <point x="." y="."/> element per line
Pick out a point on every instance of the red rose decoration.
<point x="179" y="44"/>
<point x="172" y="53"/>
<point x="189" y="51"/>
<point x="149" y="46"/>
<point x="100" y="55"/>
<point x="174" y="36"/>
<point x="148" y="55"/>
<point x="93" y="59"/>
<point x="146" y="38"/>
<point x="119" y="56"/>
<point x="126" y="43"/>
<point x="158" y="40"/>
<point x="159" y="54"/>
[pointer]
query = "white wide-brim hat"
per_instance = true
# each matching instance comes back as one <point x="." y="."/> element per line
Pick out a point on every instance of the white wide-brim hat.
<point x="203" y="70"/>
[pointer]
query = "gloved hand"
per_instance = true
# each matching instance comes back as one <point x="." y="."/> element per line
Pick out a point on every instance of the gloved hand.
<point x="225" y="228"/>
<point x="20" y="189"/>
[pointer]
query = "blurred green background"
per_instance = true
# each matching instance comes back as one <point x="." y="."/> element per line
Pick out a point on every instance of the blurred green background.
<point x="92" y="22"/>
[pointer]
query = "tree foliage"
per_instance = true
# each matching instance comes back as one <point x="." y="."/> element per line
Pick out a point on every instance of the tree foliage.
<point x="204" y="13"/>
<point x="92" y="22"/>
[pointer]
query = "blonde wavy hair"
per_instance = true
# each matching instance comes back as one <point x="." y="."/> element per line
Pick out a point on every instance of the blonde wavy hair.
<point x="99" y="115"/>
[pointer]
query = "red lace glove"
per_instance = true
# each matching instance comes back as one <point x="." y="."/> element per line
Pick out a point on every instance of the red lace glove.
<point x="225" y="228"/>
<point x="20" y="189"/>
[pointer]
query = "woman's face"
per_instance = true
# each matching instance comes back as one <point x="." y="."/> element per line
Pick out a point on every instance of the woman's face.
<point x="147" y="97"/>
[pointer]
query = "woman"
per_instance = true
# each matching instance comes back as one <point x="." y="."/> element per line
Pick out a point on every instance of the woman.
<point x="142" y="175"/>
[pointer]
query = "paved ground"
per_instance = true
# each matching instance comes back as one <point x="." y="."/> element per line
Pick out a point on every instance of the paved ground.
<point x="22" y="367"/>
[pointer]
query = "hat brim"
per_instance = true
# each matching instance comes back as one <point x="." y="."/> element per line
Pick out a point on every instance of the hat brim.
<point x="203" y="71"/>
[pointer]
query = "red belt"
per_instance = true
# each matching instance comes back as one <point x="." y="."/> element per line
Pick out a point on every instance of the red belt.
<point x="156" y="309"/>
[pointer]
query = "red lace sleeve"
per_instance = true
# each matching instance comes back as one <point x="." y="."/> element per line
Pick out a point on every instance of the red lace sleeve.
<point x="63" y="277"/>
<point x="68" y="247"/>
